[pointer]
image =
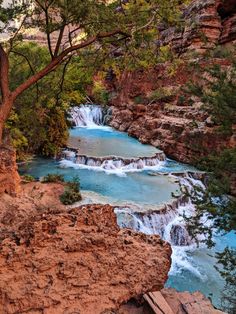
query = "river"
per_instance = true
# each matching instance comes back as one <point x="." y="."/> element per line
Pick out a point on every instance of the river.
<point x="145" y="188"/>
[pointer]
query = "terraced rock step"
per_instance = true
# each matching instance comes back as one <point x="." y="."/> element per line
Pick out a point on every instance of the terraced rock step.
<point x="112" y="162"/>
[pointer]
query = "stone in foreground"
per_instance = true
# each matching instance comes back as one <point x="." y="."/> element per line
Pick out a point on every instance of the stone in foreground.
<point x="77" y="261"/>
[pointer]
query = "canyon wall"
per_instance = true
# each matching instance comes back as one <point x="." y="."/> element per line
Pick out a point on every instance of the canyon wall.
<point x="185" y="132"/>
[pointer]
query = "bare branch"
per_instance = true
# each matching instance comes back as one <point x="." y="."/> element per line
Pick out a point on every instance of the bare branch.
<point x="48" y="33"/>
<point x="63" y="78"/>
<point x="56" y="51"/>
<point x="30" y="66"/>
<point x="11" y="42"/>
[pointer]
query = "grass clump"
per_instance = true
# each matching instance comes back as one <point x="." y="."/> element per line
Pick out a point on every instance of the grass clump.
<point x="71" y="194"/>
<point x="53" y="178"/>
<point x="28" y="178"/>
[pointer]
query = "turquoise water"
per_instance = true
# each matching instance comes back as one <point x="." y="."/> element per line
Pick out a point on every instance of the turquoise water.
<point x="106" y="142"/>
<point x="193" y="269"/>
<point x="136" y="187"/>
<point x="199" y="273"/>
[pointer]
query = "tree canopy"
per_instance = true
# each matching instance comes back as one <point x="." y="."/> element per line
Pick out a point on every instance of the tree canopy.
<point x="68" y="26"/>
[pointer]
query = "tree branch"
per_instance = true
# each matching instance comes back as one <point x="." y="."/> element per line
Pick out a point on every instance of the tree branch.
<point x="56" y="51"/>
<point x="45" y="10"/>
<point x="59" y="59"/>
<point x="62" y="79"/>
<point x="30" y="66"/>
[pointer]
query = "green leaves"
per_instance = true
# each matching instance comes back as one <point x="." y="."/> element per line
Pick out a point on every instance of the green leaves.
<point x="216" y="87"/>
<point x="38" y="121"/>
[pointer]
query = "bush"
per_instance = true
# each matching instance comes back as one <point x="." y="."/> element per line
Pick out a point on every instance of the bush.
<point x="71" y="194"/>
<point x="161" y="93"/>
<point x="100" y="94"/>
<point x="53" y="178"/>
<point x="28" y="178"/>
<point x="215" y="87"/>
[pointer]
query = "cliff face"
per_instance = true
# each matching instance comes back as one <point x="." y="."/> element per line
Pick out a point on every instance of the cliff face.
<point x="55" y="260"/>
<point x="207" y="23"/>
<point x="185" y="132"/>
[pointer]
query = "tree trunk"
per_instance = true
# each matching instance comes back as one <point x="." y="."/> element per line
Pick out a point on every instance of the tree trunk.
<point x="5" y="109"/>
<point x="9" y="177"/>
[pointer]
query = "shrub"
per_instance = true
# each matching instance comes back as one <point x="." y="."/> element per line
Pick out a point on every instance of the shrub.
<point x="139" y="100"/>
<point x="53" y="177"/>
<point x="100" y="93"/>
<point x="71" y="194"/>
<point x="28" y="178"/>
<point x="215" y="88"/>
<point x="161" y="93"/>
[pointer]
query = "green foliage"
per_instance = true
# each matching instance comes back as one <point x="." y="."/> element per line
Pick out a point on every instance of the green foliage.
<point x="161" y="93"/>
<point x="226" y="261"/>
<point x="139" y="100"/>
<point x="217" y="206"/>
<point x="71" y="194"/>
<point x="213" y="202"/>
<point x="38" y="122"/>
<point x="216" y="88"/>
<point x="53" y="178"/>
<point x="100" y="94"/>
<point x="28" y="178"/>
<point x="220" y="163"/>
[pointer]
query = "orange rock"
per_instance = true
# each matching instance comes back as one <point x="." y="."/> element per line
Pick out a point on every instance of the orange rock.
<point x="9" y="177"/>
<point x="56" y="260"/>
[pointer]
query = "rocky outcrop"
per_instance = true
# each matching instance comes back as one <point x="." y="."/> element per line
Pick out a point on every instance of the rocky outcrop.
<point x="9" y="177"/>
<point x="169" y="301"/>
<point x="187" y="303"/>
<point x="207" y="24"/>
<point x="182" y="130"/>
<point x="59" y="260"/>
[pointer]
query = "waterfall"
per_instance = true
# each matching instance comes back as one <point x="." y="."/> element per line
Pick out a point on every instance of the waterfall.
<point x="111" y="164"/>
<point x="169" y="223"/>
<point x="87" y="116"/>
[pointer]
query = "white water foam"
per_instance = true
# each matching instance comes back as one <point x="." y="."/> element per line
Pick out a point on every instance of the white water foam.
<point x="88" y="116"/>
<point x="170" y="225"/>
<point x="110" y="166"/>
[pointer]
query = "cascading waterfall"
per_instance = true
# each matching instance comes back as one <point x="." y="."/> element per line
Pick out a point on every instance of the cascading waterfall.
<point x="91" y="116"/>
<point x="87" y="116"/>
<point x="169" y="223"/>
<point x="71" y="158"/>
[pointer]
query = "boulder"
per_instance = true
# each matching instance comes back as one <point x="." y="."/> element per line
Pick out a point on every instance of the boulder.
<point x="55" y="260"/>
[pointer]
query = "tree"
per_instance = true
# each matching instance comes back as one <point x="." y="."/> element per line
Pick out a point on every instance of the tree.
<point x="70" y="26"/>
<point x="38" y="122"/>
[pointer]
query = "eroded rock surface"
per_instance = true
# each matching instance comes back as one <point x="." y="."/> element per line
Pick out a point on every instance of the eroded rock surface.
<point x="207" y="24"/>
<point x="55" y="260"/>
<point x="182" y="131"/>
<point x="170" y="301"/>
<point x="9" y="177"/>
